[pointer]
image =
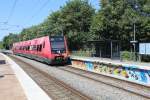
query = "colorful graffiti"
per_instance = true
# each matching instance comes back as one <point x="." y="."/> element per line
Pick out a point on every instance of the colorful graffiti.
<point x="89" y="66"/>
<point x="133" y="74"/>
<point x="79" y="64"/>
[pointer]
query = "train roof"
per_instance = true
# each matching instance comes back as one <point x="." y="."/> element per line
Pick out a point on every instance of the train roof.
<point x="35" y="40"/>
<point x="30" y="41"/>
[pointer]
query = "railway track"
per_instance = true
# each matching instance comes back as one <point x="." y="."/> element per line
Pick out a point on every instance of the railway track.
<point x="118" y="83"/>
<point x="133" y="89"/>
<point x="56" y="89"/>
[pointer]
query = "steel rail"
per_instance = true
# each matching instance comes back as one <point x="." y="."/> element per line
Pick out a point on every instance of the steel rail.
<point x="58" y="82"/>
<point x="82" y="72"/>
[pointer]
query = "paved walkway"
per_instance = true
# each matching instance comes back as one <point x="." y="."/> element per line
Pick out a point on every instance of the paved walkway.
<point x="15" y="84"/>
<point x="10" y="88"/>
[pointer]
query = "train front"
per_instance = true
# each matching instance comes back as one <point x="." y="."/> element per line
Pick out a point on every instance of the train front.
<point x="59" y="50"/>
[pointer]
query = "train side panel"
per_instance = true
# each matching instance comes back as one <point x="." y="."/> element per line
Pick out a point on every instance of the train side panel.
<point x="41" y="49"/>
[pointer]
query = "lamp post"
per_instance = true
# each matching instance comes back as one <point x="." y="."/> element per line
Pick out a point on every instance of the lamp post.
<point x="134" y="33"/>
<point x="134" y="40"/>
<point x="138" y="8"/>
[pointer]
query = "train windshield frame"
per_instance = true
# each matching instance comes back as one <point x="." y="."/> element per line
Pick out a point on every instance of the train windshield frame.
<point x="57" y="44"/>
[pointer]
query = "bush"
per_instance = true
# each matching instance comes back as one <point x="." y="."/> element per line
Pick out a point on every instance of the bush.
<point x="81" y="53"/>
<point x="126" y="55"/>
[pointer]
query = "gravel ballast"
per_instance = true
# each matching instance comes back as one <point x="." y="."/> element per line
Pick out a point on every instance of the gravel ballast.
<point x="95" y="90"/>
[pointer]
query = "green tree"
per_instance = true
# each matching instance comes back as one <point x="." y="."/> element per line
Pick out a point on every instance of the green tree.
<point x="9" y="40"/>
<point x="1" y="45"/>
<point x="115" y="20"/>
<point x="75" y="21"/>
<point x="52" y="24"/>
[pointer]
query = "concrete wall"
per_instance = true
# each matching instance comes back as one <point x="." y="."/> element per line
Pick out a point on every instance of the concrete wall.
<point x="124" y="72"/>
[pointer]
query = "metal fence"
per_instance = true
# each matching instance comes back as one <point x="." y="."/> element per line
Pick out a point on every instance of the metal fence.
<point x="124" y="55"/>
<point x="129" y="56"/>
<point x="82" y="53"/>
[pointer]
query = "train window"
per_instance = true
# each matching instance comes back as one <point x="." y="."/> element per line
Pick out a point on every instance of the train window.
<point x="37" y="48"/>
<point x="40" y="47"/>
<point x="28" y="48"/>
<point x="44" y="45"/>
<point x="57" y="44"/>
<point x="34" y="47"/>
<point x="31" y="47"/>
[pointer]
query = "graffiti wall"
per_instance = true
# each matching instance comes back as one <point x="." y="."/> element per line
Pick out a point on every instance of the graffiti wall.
<point x="133" y="74"/>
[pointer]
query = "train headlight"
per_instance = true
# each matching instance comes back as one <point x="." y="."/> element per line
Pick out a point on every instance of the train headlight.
<point x="58" y="51"/>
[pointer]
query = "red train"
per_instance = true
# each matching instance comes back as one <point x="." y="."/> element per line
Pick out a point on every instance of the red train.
<point x="48" y="49"/>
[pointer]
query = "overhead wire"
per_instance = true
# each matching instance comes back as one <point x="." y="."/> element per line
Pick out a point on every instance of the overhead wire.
<point x="10" y="25"/>
<point x="5" y="23"/>
<point x="8" y="29"/>
<point x="12" y="11"/>
<point x="38" y="11"/>
<point x="9" y="17"/>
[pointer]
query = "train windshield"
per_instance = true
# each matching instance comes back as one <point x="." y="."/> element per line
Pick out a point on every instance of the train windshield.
<point x="57" y="44"/>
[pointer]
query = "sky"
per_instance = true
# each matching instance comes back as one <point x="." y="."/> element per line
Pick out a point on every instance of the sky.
<point x="18" y="14"/>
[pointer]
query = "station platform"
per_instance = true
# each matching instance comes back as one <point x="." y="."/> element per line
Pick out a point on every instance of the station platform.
<point x="140" y="65"/>
<point x="135" y="72"/>
<point x="10" y="87"/>
<point x="15" y="84"/>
